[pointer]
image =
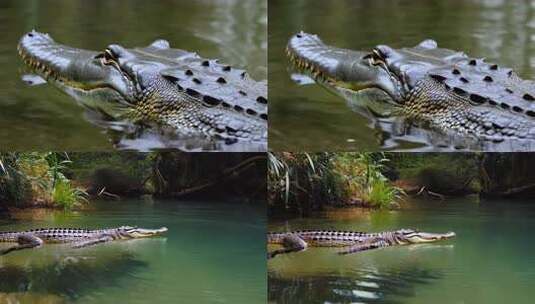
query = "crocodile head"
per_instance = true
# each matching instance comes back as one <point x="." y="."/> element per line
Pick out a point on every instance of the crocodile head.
<point x="350" y="73"/>
<point x="128" y="232"/>
<point x="155" y="84"/>
<point x="409" y="236"/>
<point x="438" y="88"/>
<point x="382" y="71"/>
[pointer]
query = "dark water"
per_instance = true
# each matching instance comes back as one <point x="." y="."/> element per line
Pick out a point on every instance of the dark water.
<point x="212" y="253"/>
<point x="308" y="118"/>
<point x="490" y="261"/>
<point x="44" y="118"/>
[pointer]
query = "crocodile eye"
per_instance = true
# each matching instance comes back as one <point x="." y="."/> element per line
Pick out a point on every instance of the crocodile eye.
<point x="107" y="57"/>
<point x="376" y="58"/>
<point x="378" y="54"/>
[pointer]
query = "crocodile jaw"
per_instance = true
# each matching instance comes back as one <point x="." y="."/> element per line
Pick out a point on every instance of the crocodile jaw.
<point x="426" y="237"/>
<point x="137" y="233"/>
<point x="349" y="71"/>
<point x="77" y="72"/>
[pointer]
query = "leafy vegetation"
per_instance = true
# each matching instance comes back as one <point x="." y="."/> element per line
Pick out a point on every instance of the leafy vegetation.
<point x="301" y="182"/>
<point x="381" y="194"/>
<point x="36" y="178"/>
<point x="363" y="175"/>
<point x="55" y="179"/>
<point x="67" y="196"/>
<point x="14" y="186"/>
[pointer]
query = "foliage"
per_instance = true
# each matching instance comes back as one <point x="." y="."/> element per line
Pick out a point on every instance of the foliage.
<point x="380" y="194"/>
<point x="66" y="196"/>
<point x="362" y="173"/>
<point x="445" y="173"/>
<point x="300" y="181"/>
<point x="30" y="178"/>
<point x="303" y="181"/>
<point x="57" y="164"/>
<point x="134" y="165"/>
<point x="14" y="187"/>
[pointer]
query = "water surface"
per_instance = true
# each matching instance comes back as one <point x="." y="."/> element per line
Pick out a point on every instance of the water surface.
<point x="490" y="260"/>
<point x="308" y="118"/>
<point x="212" y="253"/>
<point x="43" y="118"/>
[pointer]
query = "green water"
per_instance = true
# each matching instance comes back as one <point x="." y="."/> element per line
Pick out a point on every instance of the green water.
<point x="43" y="118"/>
<point x="212" y="253"/>
<point x="490" y="261"/>
<point x="308" y="118"/>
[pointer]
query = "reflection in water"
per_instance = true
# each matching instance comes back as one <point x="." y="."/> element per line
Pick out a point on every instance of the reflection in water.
<point x="212" y="253"/>
<point x="236" y="29"/>
<point x="488" y="262"/>
<point x="501" y="31"/>
<point x="70" y="276"/>
<point x="361" y="287"/>
<point x="126" y="136"/>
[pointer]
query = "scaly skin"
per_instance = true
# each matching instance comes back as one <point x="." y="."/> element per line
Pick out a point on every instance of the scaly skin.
<point x="442" y="89"/>
<point x="353" y="241"/>
<point x="155" y="85"/>
<point x="78" y="237"/>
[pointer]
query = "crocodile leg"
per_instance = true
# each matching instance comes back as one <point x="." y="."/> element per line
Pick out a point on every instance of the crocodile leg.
<point x="25" y="241"/>
<point x="91" y="242"/>
<point x="377" y="243"/>
<point x="291" y="243"/>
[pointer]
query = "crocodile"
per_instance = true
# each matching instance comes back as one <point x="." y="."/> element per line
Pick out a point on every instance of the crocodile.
<point x="78" y="238"/>
<point x="350" y="241"/>
<point x="442" y="90"/>
<point x="155" y="85"/>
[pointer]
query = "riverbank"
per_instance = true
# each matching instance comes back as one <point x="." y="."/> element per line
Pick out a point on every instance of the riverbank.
<point x="301" y="183"/>
<point x="68" y="180"/>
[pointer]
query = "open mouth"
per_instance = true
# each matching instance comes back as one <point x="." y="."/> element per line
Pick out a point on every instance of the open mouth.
<point x="306" y="67"/>
<point x="38" y="67"/>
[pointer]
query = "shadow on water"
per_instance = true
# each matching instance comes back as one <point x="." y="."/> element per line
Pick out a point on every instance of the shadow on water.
<point x="362" y="287"/>
<point x="70" y="277"/>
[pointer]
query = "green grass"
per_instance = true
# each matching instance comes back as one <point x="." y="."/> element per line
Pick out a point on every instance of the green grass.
<point x="381" y="194"/>
<point x="66" y="196"/>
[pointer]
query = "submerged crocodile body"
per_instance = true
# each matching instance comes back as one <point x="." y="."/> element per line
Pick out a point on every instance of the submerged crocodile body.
<point x="441" y="89"/>
<point x="77" y="237"/>
<point x="155" y="85"/>
<point x="352" y="241"/>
